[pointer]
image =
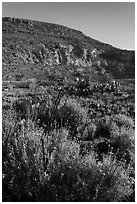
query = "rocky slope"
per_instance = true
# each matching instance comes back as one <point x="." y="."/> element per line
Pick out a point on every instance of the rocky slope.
<point x="44" y="50"/>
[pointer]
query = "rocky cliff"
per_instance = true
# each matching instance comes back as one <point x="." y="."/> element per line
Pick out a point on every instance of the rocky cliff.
<point x="37" y="45"/>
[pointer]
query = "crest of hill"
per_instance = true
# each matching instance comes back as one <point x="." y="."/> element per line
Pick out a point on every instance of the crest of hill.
<point x="27" y="42"/>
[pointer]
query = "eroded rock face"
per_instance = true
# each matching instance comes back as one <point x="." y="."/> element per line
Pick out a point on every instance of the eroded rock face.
<point x="39" y="43"/>
<point x="59" y="56"/>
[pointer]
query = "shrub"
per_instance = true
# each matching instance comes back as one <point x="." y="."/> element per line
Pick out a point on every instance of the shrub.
<point x="115" y="134"/>
<point x="86" y="147"/>
<point x="22" y="108"/>
<point x="22" y="165"/>
<point x="29" y="159"/>
<point x="70" y="115"/>
<point x="83" y="87"/>
<point x="86" y="132"/>
<point x="101" y="148"/>
<point x="123" y="145"/>
<point x="46" y="166"/>
<point x="49" y="167"/>
<point x="123" y="120"/>
<point x="85" y="180"/>
<point x="115" y="184"/>
<point x="102" y="130"/>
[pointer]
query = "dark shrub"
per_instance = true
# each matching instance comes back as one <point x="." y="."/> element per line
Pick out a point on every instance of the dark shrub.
<point x="22" y="108"/>
<point x="101" y="148"/>
<point x="83" y="87"/>
<point x="117" y="133"/>
<point x="90" y="130"/>
<point x="69" y="115"/>
<point x="102" y="130"/>
<point x="69" y="118"/>
<point x="123" y="145"/>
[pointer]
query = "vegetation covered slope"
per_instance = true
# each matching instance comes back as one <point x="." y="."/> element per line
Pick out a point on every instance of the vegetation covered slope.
<point x="68" y="129"/>
<point x="31" y="46"/>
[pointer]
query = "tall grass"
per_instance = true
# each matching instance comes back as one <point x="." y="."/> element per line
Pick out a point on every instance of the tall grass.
<point x="39" y="165"/>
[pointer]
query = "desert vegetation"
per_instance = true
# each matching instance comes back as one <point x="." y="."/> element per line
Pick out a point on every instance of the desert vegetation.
<point x="68" y="116"/>
<point x="61" y="144"/>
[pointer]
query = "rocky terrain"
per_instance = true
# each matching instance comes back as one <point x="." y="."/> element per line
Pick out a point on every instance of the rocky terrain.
<point x="27" y="44"/>
<point x="68" y="116"/>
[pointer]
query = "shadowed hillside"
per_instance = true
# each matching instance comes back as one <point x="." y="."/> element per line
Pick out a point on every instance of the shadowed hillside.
<point x="36" y="47"/>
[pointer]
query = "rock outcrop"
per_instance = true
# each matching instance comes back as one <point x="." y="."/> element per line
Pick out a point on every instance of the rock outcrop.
<point x="45" y="44"/>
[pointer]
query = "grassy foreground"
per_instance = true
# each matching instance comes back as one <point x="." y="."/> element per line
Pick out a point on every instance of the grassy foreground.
<point x="62" y="152"/>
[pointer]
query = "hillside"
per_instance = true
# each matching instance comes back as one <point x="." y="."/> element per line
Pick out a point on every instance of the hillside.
<point x="68" y="116"/>
<point x="49" y="51"/>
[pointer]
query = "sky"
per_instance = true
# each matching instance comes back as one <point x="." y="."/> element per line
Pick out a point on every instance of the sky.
<point x="108" y="22"/>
